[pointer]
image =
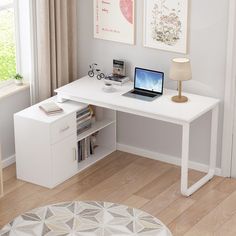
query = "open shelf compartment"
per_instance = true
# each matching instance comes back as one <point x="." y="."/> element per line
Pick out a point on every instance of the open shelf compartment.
<point x="100" y="153"/>
<point x="105" y="125"/>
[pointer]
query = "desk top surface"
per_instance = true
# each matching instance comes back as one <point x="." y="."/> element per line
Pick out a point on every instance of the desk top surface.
<point x="35" y="113"/>
<point x="90" y="90"/>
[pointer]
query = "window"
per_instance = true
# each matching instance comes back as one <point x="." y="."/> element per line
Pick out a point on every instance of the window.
<point x="7" y="40"/>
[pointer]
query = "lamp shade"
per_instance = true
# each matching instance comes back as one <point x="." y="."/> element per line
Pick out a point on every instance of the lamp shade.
<point x="180" y="69"/>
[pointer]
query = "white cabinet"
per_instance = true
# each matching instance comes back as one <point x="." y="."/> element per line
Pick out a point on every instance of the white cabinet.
<point x="46" y="146"/>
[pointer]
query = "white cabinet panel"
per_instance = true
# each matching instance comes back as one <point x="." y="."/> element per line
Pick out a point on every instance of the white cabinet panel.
<point x="64" y="156"/>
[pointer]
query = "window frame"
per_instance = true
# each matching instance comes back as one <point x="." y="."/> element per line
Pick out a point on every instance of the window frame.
<point x="13" y="5"/>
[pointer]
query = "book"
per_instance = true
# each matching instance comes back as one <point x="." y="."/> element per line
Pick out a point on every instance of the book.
<point x="88" y="145"/>
<point x="118" y="76"/>
<point x="118" y="67"/>
<point x="83" y="129"/>
<point x="78" y="119"/>
<point x="116" y="79"/>
<point x="79" y="152"/>
<point x="85" y="123"/>
<point x="50" y="108"/>
<point x="81" y="121"/>
<point x="82" y="112"/>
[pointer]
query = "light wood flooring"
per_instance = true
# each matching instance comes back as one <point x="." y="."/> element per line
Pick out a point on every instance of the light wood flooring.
<point x="138" y="182"/>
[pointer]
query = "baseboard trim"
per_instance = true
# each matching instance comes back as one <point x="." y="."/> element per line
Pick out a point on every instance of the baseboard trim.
<point x="145" y="153"/>
<point x="164" y="158"/>
<point x="8" y="161"/>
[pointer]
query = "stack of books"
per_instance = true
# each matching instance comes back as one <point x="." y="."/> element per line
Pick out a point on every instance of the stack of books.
<point x="118" y="75"/>
<point x="116" y="79"/>
<point x="50" y="108"/>
<point x="84" y="119"/>
<point x="86" y="147"/>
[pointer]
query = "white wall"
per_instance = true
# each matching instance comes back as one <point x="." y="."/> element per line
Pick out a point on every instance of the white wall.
<point x="8" y="106"/>
<point x="207" y="50"/>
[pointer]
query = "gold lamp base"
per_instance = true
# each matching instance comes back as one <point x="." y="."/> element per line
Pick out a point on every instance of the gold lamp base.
<point x="178" y="99"/>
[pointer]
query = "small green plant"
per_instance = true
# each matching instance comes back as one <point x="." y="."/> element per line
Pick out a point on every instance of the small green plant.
<point x="17" y="77"/>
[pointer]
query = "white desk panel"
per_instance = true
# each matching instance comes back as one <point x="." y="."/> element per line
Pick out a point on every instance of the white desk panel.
<point x="89" y="90"/>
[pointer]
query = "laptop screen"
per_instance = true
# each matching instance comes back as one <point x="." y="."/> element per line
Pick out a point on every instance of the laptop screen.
<point x="149" y="80"/>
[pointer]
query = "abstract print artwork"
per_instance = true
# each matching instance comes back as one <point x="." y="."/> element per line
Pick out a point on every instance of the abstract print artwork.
<point x="165" y="24"/>
<point x="114" y="20"/>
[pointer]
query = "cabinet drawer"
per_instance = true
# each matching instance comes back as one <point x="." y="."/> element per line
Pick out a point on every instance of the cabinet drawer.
<point x="63" y="128"/>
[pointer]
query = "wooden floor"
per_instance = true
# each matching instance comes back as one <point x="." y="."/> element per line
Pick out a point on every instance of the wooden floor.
<point x="138" y="182"/>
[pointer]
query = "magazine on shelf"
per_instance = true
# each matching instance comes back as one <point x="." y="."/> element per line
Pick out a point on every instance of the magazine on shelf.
<point x="84" y="120"/>
<point x="86" y="147"/>
<point x="85" y="116"/>
<point x="83" y="112"/>
<point x="81" y="121"/>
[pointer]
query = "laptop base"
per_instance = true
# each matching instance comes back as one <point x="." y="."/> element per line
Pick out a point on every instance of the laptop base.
<point x="145" y="96"/>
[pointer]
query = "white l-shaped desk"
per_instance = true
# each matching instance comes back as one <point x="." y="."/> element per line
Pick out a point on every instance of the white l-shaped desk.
<point x="90" y="91"/>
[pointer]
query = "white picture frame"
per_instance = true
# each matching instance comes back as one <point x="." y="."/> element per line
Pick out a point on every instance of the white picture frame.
<point x="114" y="20"/>
<point x="166" y="25"/>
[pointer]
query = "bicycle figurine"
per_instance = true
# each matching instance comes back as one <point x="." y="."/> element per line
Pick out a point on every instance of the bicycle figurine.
<point x="94" y="70"/>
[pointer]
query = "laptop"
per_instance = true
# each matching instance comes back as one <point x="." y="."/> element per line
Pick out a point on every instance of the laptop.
<point x="148" y="85"/>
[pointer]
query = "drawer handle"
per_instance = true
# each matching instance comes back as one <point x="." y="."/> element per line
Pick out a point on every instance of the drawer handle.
<point x="64" y="129"/>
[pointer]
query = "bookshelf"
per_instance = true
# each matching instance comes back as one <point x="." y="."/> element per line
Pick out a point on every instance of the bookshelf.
<point x="105" y="127"/>
<point x="57" y="141"/>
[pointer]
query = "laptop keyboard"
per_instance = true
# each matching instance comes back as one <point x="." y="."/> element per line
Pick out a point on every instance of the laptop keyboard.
<point x="144" y="94"/>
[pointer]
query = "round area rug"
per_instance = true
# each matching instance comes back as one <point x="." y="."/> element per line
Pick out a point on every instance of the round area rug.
<point x="85" y="219"/>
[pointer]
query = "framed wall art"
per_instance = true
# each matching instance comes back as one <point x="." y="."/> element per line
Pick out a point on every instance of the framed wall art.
<point x="166" y="25"/>
<point x="114" y="20"/>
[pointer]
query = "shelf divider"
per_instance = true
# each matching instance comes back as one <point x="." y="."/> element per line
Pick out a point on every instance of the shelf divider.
<point x="98" y="125"/>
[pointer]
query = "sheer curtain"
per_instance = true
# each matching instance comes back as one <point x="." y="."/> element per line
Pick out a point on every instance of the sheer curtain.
<point x="55" y="44"/>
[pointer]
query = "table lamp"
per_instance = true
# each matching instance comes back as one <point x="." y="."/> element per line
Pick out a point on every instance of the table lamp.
<point x="180" y="71"/>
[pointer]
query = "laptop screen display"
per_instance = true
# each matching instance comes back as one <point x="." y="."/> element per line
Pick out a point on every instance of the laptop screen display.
<point x="149" y="80"/>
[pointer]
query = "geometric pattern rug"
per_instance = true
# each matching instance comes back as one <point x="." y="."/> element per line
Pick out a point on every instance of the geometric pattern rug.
<point x="87" y="218"/>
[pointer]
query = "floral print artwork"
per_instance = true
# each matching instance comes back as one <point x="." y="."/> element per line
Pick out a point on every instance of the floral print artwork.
<point x="166" y="23"/>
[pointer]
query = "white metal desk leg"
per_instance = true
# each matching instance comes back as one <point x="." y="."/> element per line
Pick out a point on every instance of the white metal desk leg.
<point x="214" y="133"/>
<point x="185" y="156"/>
<point x="184" y="161"/>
